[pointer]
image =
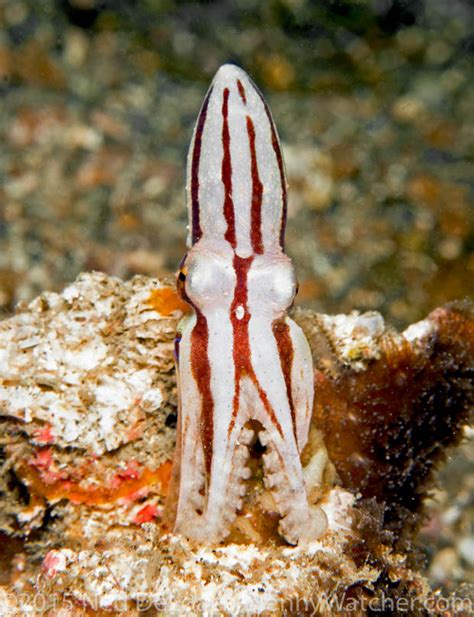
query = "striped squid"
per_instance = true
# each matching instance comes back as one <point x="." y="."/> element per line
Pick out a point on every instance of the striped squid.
<point x="244" y="367"/>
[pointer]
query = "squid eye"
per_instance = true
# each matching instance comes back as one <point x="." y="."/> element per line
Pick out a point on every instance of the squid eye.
<point x="181" y="282"/>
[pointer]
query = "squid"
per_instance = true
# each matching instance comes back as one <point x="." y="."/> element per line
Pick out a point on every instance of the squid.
<point x="244" y="368"/>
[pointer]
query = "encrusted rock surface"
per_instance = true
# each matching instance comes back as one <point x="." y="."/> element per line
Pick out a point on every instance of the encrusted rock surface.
<point x="88" y="412"/>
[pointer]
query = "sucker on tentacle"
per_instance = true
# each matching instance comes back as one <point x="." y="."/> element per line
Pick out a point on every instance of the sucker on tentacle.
<point x="239" y="357"/>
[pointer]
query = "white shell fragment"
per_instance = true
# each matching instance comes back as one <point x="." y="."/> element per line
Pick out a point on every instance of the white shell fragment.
<point x="355" y="336"/>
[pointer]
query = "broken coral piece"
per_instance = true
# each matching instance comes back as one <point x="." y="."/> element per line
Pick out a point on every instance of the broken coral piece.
<point x="88" y="406"/>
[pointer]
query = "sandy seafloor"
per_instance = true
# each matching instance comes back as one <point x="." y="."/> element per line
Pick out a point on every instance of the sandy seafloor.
<point x="374" y="102"/>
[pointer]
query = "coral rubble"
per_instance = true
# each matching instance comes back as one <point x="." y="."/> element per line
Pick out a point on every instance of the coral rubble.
<point x="88" y="415"/>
